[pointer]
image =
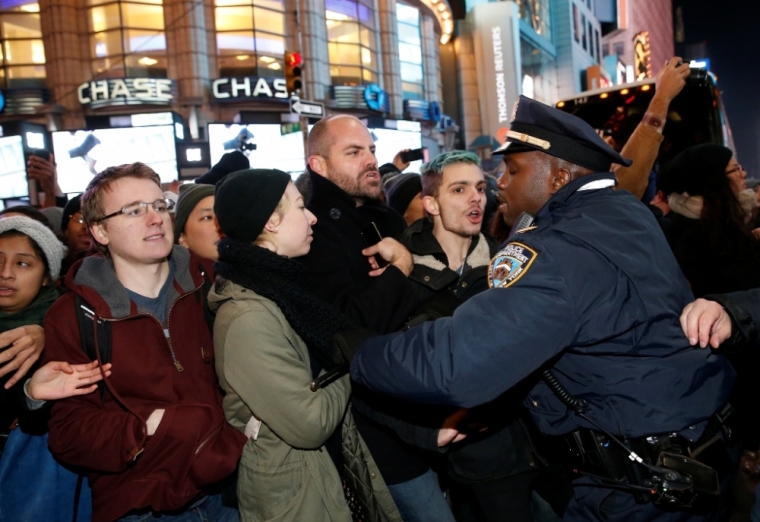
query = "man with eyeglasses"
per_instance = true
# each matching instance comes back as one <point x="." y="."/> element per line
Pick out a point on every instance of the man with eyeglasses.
<point x="155" y="442"/>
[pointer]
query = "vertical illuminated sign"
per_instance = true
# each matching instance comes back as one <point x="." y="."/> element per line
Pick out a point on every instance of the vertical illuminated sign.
<point x="496" y="38"/>
<point x="642" y="56"/>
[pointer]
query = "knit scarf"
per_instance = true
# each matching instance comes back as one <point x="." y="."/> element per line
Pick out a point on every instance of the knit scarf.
<point x="32" y="314"/>
<point x="283" y="281"/>
<point x="691" y="206"/>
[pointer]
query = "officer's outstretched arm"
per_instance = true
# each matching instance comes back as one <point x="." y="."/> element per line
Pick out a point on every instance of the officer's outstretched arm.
<point x="493" y="341"/>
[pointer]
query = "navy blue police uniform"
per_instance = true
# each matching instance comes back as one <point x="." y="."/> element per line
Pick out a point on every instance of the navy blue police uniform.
<point x="591" y="292"/>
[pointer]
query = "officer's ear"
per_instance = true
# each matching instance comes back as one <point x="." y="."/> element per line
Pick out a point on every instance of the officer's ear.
<point x="560" y="178"/>
<point x="431" y="206"/>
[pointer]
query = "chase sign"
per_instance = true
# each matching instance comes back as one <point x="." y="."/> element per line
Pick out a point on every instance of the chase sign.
<point x="126" y="91"/>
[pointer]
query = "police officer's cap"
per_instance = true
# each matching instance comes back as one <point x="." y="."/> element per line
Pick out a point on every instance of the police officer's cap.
<point x="536" y="126"/>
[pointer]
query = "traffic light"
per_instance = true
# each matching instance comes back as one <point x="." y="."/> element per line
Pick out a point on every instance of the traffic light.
<point x="293" y="64"/>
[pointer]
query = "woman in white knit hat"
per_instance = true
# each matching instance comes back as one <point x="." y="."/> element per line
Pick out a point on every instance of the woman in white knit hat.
<point x="32" y="484"/>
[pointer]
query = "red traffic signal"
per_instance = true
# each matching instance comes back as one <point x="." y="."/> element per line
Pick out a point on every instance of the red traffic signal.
<point x="293" y="59"/>
<point x="293" y="64"/>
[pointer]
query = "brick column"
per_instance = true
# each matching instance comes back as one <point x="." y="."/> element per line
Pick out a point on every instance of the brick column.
<point x="468" y="81"/>
<point x="389" y="56"/>
<point x="67" y="58"/>
<point x="313" y="45"/>
<point x="187" y="50"/>
<point x="431" y="63"/>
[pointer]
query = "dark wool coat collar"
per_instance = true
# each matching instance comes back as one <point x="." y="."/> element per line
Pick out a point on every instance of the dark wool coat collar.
<point x="326" y="195"/>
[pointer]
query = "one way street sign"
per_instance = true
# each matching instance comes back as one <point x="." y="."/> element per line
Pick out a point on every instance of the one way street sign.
<point x="307" y="108"/>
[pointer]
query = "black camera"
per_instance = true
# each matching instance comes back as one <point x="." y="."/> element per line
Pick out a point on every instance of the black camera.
<point x="698" y="76"/>
<point x="247" y="146"/>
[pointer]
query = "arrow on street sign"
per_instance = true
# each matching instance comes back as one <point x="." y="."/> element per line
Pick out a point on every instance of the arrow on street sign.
<point x="307" y="108"/>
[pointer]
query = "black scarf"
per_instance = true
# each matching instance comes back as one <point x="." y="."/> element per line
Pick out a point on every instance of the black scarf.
<point x="283" y="281"/>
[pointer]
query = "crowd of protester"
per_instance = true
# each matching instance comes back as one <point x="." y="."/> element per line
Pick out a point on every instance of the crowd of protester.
<point x="163" y="360"/>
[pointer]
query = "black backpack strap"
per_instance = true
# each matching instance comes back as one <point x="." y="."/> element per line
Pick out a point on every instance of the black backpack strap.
<point x="86" y="318"/>
<point x="207" y="282"/>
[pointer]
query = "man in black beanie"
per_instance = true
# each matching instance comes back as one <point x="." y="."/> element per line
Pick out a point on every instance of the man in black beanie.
<point x="403" y="193"/>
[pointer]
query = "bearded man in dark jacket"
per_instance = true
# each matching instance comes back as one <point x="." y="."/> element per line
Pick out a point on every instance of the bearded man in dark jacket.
<point x="346" y="185"/>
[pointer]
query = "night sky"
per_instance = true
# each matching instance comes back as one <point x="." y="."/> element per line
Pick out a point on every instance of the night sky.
<point x="730" y="32"/>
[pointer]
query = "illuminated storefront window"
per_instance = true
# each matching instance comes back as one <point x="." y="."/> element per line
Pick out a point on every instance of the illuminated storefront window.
<point x="22" y="52"/>
<point x="250" y="37"/>
<point x="536" y="14"/>
<point x="352" y="41"/>
<point x="410" y="51"/>
<point x="127" y="39"/>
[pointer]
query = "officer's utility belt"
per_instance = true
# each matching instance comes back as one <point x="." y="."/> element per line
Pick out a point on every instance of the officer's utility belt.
<point x="667" y="469"/>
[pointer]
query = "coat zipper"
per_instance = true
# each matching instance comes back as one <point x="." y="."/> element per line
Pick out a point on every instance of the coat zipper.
<point x="166" y="331"/>
<point x="207" y="439"/>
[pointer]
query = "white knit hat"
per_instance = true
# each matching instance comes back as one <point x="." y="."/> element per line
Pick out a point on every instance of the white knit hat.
<point x="52" y="248"/>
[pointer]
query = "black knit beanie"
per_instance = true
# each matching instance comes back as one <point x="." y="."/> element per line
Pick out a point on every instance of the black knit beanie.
<point x="190" y="194"/>
<point x="401" y="189"/>
<point x="245" y="201"/>
<point x="698" y="170"/>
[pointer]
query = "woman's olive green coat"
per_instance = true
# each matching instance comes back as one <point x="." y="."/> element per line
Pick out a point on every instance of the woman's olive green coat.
<point x="286" y="474"/>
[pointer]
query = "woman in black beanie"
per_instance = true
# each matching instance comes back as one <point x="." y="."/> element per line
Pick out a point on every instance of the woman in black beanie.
<point x="304" y="459"/>
<point x="711" y="234"/>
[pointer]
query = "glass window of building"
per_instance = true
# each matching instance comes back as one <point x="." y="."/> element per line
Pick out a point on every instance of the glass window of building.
<point x="410" y="51"/>
<point x="22" y="53"/>
<point x="127" y="39"/>
<point x="352" y="41"/>
<point x="536" y="14"/>
<point x="576" y="24"/>
<point x="583" y="28"/>
<point x="250" y="39"/>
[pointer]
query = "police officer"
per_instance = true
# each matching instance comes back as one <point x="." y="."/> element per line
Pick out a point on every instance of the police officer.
<point x="586" y="303"/>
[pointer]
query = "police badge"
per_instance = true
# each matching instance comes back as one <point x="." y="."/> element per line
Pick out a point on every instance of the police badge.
<point x="510" y="264"/>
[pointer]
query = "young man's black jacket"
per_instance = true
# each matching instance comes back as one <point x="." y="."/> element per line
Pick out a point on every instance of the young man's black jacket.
<point x="504" y="448"/>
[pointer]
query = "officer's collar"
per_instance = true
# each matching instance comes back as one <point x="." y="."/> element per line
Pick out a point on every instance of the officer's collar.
<point x="582" y="184"/>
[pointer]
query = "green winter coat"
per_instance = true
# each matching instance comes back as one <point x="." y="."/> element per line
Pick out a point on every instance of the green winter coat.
<point x="285" y="473"/>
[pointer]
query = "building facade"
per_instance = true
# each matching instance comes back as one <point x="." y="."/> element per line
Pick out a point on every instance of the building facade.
<point x="78" y="65"/>
<point x="538" y="48"/>
<point x="638" y="36"/>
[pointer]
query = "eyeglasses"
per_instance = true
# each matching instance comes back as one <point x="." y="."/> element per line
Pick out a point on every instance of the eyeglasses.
<point x="77" y="218"/>
<point x="737" y="168"/>
<point x="140" y="208"/>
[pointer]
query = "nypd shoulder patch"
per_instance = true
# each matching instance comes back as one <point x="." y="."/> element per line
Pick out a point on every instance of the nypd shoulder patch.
<point x="510" y="264"/>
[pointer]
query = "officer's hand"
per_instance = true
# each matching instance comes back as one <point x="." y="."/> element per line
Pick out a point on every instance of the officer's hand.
<point x="705" y="322"/>
<point x="392" y="251"/>
<point x="671" y="79"/>
<point x="449" y="432"/>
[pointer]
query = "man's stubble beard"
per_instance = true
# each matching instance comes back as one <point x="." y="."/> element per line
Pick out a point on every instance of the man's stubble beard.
<point x="352" y="185"/>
